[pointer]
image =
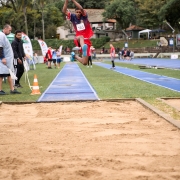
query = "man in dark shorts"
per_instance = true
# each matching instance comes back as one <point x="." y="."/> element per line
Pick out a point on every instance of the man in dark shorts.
<point x="6" y="60"/>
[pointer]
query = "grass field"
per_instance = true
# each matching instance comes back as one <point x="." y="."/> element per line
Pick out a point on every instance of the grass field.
<point x="108" y="85"/>
<point x="134" y="43"/>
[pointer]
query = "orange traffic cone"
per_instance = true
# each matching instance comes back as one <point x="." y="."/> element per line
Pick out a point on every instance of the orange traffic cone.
<point x="35" y="89"/>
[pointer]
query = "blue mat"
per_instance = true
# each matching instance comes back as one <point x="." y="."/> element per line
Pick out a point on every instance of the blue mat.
<point x="166" y="63"/>
<point x="163" y="81"/>
<point x="69" y="85"/>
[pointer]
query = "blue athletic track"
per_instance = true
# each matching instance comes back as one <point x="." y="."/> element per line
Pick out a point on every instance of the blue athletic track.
<point x="69" y="85"/>
<point x="166" y="63"/>
<point x="163" y="81"/>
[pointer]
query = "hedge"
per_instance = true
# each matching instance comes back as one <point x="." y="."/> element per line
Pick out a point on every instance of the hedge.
<point x="55" y="43"/>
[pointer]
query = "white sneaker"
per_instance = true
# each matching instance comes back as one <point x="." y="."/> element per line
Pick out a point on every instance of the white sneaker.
<point x="91" y="66"/>
<point x="87" y="66"/>
<point x="76" y="48"/>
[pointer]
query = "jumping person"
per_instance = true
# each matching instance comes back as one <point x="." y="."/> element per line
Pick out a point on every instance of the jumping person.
<point x="82" y="28"/>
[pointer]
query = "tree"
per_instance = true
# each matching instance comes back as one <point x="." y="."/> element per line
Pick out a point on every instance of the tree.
<point x="170" y="12"/>
<point x="91" y="4"/>
<point x="148" y="13"/>
<point x="17" y="8"/>
<point x="121" y="10"/>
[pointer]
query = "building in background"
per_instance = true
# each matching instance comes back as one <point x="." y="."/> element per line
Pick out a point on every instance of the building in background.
<point x="100" y="26"/>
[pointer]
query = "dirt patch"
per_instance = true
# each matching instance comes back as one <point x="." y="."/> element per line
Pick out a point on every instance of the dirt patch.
<point x="87" y="140"/>
<point x="173" y="102"/>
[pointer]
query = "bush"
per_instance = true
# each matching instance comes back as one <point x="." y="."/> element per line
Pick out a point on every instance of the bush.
<point x="55" y="43"/>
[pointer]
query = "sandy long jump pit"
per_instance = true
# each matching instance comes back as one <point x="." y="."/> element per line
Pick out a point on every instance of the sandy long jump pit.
<point x="87" y="140"/>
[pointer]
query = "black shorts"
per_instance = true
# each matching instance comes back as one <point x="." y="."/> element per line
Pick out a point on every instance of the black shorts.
<point x="54" y="60"/>
<point x="50" y="60"/>
<point x="4" y="75"/>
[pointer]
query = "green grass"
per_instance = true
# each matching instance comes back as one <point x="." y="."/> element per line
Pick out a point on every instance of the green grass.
<point x="112" y="85"/>
<point x="44" y="76"/>
<point x="108" y="84"/>
<point x="133" y="43"/>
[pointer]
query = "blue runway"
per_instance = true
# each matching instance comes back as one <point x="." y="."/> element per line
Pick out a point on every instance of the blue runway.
<point x="69" y="85"/>
<point x="166" y="63"/>
<point x="163" y="81"/>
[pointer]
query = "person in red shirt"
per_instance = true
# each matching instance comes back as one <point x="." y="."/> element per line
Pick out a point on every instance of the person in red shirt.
<point x="82" y="28"/>
<point x="112" y="53"/>
<point x="49" y="55"/>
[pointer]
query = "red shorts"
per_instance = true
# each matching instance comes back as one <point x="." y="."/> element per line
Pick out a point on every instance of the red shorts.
<point x="86" y="41"/>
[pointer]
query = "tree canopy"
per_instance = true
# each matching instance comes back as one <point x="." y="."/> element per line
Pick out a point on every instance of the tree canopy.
<point x="37" y="15"/>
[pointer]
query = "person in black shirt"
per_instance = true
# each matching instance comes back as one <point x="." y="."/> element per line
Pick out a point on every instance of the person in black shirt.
<point x="19" y="55"/>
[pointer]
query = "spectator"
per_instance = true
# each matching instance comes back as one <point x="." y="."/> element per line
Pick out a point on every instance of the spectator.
<point x="125" y="54"/>
<point x="54" y="57"/>
<point x="36" y="60"/>
<point x="103" y="49"/>
<point x="65" y="50"/>
<point x="46" y="58"/>
<point x="93" y="52"/>
<point x="58" y="54"/>
<point x="49" y="55"/>
<point x="128" y="54"/>
<point x="112" y="53"/>
<point x="72" y="56"/>
<point x="6" y="60"/>
<point x="131" y="55"/>
<point x="19" y="57"/>
<point x="122" y="53"/>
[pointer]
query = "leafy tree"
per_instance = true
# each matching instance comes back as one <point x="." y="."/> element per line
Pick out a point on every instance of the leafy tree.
<point x="149" y="13"/>
<point x="121" y="10"/>
<point x="170" y="11"/>
<point x="17" y="10"/>
<point x="91" y="4"/>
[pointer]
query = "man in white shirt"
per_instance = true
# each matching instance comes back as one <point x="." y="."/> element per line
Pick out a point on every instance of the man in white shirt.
<point x="6" y="60"/>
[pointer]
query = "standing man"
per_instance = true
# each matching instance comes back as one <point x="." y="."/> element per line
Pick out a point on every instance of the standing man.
<point x="82" y="28"/>
<point x="90" y="57"/>
<point x="6" y="59"/>
<point x="19" y="56"/>
<point x="49" y="55"/>
<point x="112" y="53"/>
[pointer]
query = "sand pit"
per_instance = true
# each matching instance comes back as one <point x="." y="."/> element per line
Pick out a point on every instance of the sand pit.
<point x="173" y="102"/>
<point x="87" y="140"/>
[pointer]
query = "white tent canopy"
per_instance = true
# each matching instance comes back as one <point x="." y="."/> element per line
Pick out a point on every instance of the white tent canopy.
<point x="144" y="31"/>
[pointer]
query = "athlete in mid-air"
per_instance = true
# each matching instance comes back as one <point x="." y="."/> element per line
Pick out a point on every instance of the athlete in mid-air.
<point x="82" y="28"/>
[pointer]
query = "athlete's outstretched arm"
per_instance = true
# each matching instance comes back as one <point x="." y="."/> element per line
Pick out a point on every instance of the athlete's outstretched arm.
<point x="78" y="6"/>
<point x="64" y="10"/>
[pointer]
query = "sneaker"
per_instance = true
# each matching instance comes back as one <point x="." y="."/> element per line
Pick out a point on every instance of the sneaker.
<point x="49" y="67"/>
<point x="15" y="91"/>
<point x="87" y="66"/>
<point x="114" y="68"/>
<point x="76" y="48"/>
<point x="84" y="49"/>
<point x="2" y="92"/>
<point x="18" y="86"/>
<point x="91" y="66"/>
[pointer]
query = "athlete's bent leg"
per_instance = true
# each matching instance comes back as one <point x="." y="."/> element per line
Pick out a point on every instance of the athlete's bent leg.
<point x="83" y="60"/>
